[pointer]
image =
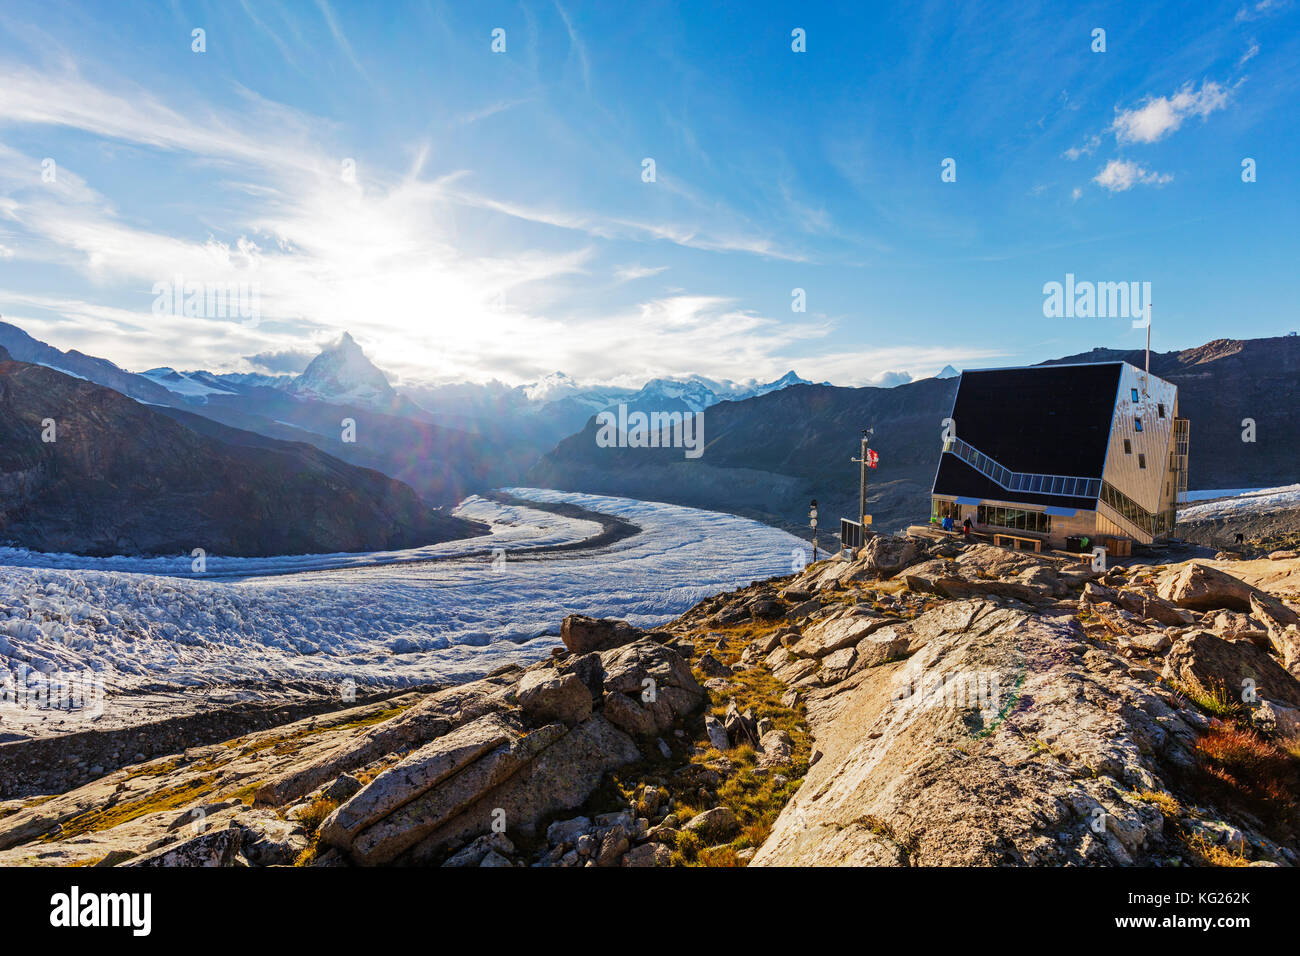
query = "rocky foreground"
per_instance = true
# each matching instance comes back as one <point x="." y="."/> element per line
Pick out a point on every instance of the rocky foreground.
<point x="928" y="703"/>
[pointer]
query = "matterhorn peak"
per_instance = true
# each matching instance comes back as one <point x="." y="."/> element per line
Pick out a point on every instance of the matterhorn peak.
<point x="342" y="373"/>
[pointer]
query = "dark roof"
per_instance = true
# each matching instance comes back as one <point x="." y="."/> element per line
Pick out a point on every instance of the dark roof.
<point x="1047" y="419"/>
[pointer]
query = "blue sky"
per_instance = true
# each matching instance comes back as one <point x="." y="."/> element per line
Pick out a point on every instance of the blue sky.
<point x="498" y="224"/>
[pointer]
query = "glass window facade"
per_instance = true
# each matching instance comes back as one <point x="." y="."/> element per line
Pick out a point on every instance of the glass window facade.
<point x="941" y="509"/>
<point x="1016" y="519"/>
<point x="1153" y="524"/>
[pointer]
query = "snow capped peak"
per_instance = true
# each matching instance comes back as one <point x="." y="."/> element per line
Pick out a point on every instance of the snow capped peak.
<point x="343" y="373"/>
<point x="948" y="372"/>
<point x="197" y="385"/>
<point x="786" y="380"/>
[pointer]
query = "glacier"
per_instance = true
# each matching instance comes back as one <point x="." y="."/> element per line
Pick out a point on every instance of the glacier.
<point x="444" y="613"/>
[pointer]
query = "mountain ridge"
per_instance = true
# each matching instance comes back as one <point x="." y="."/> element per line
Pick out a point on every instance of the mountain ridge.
<point x="88" y="470"/>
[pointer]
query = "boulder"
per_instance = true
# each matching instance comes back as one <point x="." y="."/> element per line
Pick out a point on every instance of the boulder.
<point x="716" y="732"/>
<point x="1281" y="631"/>
<point x="414" y="775"/>
<point x="560" y="777"/>
<point x="740" y="728"/>
<point x="710" y="666"/>
<point x="886" y="644"/>
<point x="582" y="634"/>
<point x="434" y="716"/>
<point x="1202" y="588"/>
<point x="269" y="841"/>
<point x="766" y="608"/>
<point x="1145" y="645"/>
<point x="655" y="683"/>
<point x="803" y="609"/>
<point x="629" y="715"/>
<point x="476" y="852"/>
<point x="1094" y="593"/>
<point x="837" y="665"/>
<point x="794" y="669"/>
<point x="546" y="696"/>
<point x="828" y="636"/>
<point x="714" y="825"/>
<point x="648" y="854"/>
<point x="884" y="556"/>
<point x="589" y="670"/>
<point x="563" y="832"/>
<point x="344" y="786"/>
<point x="436" y="806"/>
<point x="1206" y="662"/>
<point x="613" y="846"/>
<point x="215" y="848"/>
<point x="1153" y="608"/>
<point x="777" y="748"/>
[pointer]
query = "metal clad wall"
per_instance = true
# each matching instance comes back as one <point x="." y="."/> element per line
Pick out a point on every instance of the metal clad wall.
<point x="1145" y="486"/>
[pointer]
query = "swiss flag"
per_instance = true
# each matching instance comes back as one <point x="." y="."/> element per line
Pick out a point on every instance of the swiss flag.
<point x="873" y="459"/>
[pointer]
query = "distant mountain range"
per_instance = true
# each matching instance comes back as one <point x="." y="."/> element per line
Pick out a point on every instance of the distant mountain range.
<point x="769" y="447"/>
<point x="445" y="441"/>
<point x="88" y="470"/>
<point x="768" y="456"/>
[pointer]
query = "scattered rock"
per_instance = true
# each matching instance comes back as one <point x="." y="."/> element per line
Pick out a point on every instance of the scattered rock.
<point x="613" y="846"/>
<point x="826" y="637"/>
<point x="566" y="832"/>
<point x="716" y="732"/>
<point x="1209" y="664"/>
<point x="582" y="634"/>
<point x="648" y="854"/>
<point x="546" y="697"/>
<point x="476" y="852"/>
<point x="215" y="848"/>
<point x="777" y="748"/>
<point x="343" y="787"/>
<point x="714" y="825"/>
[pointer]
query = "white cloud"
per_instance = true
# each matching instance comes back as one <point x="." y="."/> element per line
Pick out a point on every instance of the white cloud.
<point x="1157" y="117"/>
<point x="632" y="272"/>
<point x="393" y="258"/>
<point x="1251" y="52"/>
<point x="1121" y="175"/>
<point x="1087" y="149"/>
<point x="1263" y="8"/>
<point x="890" y="379"/>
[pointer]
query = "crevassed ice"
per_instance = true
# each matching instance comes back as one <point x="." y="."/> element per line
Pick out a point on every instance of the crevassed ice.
<point x="371" y="618"/>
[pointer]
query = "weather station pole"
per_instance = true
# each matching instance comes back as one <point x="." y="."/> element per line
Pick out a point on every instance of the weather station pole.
<point x="862" y="489"/>
<point x="864" y="462"/>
